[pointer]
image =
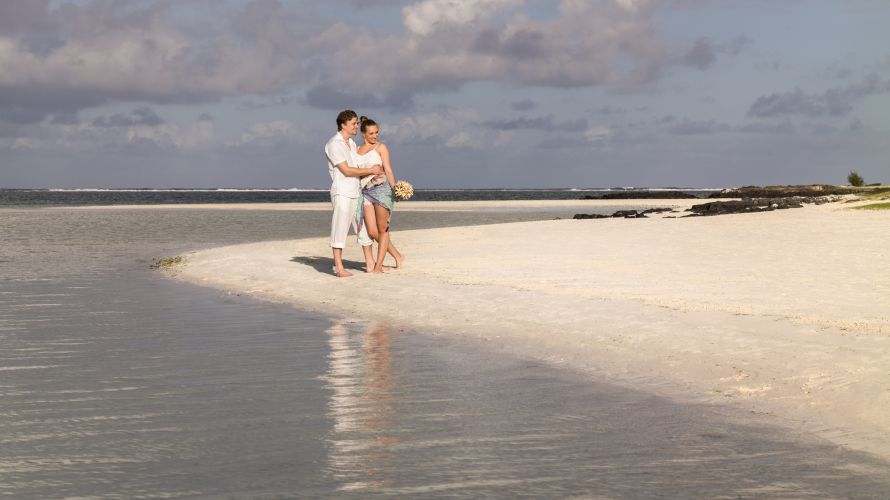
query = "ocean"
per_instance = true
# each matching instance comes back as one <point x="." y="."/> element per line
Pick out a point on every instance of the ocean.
<point x="76" y="197"/>
<point x="117" y="382"/>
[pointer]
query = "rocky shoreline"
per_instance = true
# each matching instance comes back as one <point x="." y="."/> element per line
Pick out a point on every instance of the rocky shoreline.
<point x="643" y="195"/>
<point x="753" y="205"/>
<point x="744" y="206"/>
<point x="808" y="191"/>
<point x="811" y="191"/>
<point x="624" y="214"/>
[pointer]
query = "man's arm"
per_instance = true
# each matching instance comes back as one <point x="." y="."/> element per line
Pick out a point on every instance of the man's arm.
<point x="358" y="172"/>
<point x="338" y="153"/>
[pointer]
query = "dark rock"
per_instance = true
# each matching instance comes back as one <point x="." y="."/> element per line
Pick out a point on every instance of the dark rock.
<point x="723" y="207"/>
<point x="750" y="205"/>
<point x="591" y="216"/>
<point x="628" y="214"/>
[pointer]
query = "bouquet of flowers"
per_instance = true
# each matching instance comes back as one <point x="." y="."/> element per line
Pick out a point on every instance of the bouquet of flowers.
<point x="402" y="190"/>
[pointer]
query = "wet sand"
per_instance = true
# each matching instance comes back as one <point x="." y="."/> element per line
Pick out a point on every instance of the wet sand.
<point x="782" y="313"/>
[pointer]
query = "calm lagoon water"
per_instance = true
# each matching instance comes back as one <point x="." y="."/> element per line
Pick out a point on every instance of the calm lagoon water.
<point x="116" y="382"/>
<point x="73" y="197"/>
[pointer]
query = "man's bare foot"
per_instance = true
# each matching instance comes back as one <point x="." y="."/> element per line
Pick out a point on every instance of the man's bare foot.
<point x="399" y="261"/>
<point x="377" y="270"/>
<point x="343" y="273"/>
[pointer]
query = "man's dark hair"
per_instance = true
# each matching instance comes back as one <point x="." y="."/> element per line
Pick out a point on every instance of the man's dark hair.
<point x="345" y="116"/>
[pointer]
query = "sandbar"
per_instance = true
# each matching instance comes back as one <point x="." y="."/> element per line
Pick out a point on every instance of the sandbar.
<point x="784" y="313"/>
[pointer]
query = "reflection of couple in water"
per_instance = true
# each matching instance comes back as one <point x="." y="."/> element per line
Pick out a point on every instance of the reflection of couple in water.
<point x="363" y="388"/>
<point x="362" y="184"/>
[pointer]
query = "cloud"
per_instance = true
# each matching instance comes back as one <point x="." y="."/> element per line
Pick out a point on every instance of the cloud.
<point x="833" y="102"/>
<point x="139" y="130"/>
<point x="783" y="127"/>
<point x="691" y="127"/>
<point x="461" y="128"/>
<point x="593" y="137"/>
<point x="855" y="127"/>
<point x="674" y="126"/>
<point x="447" y="44"/>
<point x="677" y="126"/>
<point x="65" y="119"/>
<point x="367" y="4"/>
<point x="29" y="21"/>
<point x="632" y="5"/>
<point x="430" y="15"/>
<point x="106" y="51"/>
<point x="270" y="134"/>
<point x="799" y="103"/>
<point x="775" y="66"/>
<point x="143" y="131"/>
<point x="325" y="97"/>
<point x="523" y="105"/>
<point x="140" y="116"/>
<point x="60" y="58"/>
<point x="597" y="134"/>
<point x="703" y="53"/>
<point x="545" y="123"/>
<point x="610" y="110"/>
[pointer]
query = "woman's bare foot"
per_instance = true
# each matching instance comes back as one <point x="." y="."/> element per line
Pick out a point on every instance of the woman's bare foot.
<point x="342" y="273"/>
<point x="378" y="270"/>
<point x="399" y="261"/>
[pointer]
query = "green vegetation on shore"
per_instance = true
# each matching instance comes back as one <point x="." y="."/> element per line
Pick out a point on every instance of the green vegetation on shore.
<point x="166" y="263"/>
<point x="879" y="193"/>
<point x="875" y="206"/>
<point x="801" y="191"/>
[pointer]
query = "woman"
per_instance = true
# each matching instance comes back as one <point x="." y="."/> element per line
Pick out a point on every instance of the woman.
<point x="377" y="193"/>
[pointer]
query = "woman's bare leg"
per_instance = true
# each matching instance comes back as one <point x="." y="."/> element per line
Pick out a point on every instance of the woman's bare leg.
<point x="395" y="253"/>
<point x="382" y="215"/>
<point x="371" y="227"/>
<point x="373" y="232"/>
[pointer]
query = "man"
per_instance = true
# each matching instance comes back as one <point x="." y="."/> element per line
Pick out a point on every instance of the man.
<point x="345" y="190"/>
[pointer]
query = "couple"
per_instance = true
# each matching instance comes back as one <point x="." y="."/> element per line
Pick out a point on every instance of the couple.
<point x="361" y="192"/>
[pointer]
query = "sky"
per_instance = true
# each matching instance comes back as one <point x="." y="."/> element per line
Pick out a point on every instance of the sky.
<point x="468" y="93"/>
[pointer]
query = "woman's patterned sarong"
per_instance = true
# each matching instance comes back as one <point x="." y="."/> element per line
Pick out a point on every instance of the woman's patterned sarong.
<point x="380" y="194"/>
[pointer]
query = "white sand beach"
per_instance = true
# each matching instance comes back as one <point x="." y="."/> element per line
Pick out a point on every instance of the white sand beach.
<point x="785" y="313"/>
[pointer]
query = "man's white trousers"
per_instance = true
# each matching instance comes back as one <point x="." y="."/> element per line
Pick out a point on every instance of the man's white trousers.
<point x="342" y="219"/>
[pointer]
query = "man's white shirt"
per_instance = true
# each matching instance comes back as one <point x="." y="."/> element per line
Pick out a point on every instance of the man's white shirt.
<point x="339" y="150"/>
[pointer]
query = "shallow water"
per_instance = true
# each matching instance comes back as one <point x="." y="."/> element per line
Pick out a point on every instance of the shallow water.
<point x="43" y="197"/>
<point x="116" y="382"/>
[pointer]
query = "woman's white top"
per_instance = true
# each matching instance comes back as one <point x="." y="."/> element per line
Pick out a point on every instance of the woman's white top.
<point x="368" y="160"/>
